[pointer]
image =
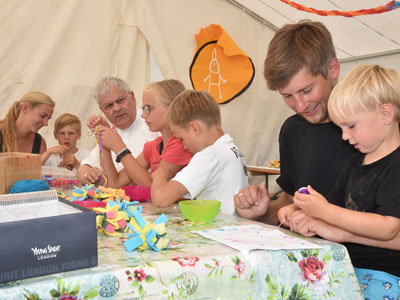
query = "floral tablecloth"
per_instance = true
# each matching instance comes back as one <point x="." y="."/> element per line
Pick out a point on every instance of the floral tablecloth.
<point x="198" y="268"/>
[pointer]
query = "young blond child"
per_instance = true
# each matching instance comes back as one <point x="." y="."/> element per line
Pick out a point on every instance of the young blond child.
<point x="217" y="170"/>
<point x="67" y="131"/>
<point x="366" y="105"/>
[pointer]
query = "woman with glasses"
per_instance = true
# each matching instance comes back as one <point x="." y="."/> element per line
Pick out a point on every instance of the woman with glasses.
<point x="165" y="151"/>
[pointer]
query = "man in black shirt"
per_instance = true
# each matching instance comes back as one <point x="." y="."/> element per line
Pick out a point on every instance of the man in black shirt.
<point x="302" y="66"/>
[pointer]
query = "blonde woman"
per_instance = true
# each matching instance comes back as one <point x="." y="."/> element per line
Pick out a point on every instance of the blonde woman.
<point x="19" y="128"/>
<point x="165" y="151"/>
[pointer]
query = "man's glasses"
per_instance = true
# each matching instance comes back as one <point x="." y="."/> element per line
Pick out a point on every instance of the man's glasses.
<point x="148" y="107"/>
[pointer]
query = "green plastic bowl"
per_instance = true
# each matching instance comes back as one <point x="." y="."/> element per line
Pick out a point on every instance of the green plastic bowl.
<point x="201" y="211"/>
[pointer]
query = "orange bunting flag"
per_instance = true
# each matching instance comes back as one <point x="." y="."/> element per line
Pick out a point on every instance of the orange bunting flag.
<point x="219" y="65"/>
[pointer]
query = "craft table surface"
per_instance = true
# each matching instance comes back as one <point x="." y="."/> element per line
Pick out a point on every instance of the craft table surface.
<point x="265" y="171"/>
<point x="198" y="268"/>
<point x="260" y="170"/>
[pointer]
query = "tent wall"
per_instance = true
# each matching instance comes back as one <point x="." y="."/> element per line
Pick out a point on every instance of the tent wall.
<point x="63" y="47"/>
<point x="255" y="117"/>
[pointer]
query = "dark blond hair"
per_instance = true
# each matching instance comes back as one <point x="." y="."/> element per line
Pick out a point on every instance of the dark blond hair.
<point x="167" y="90"/>
<point x="65" y="120"/>
<point x="365" y="89"/>
<point x="295" y="46"/>
<point x="193" y="105"/>
<point x="33" y="99"/>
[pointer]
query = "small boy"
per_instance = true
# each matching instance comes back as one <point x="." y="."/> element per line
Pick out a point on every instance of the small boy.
<point x="67" y="130"/>
<point x="366" y="105"/>
<point x="217" y="170"/>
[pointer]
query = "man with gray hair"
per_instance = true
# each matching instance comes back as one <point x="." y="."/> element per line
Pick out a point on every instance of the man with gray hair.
<point x="118" y="103"/>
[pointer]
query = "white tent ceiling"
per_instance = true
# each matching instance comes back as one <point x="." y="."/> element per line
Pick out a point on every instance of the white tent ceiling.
<point x="366" y="35"/>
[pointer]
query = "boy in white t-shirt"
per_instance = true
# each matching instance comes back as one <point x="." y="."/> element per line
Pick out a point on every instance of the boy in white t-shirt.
<point x="217" y="170"/>
<point x="67" y="131"/>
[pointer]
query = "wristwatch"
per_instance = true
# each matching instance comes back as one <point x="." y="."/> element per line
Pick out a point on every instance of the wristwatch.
<point x="121" y="154"/>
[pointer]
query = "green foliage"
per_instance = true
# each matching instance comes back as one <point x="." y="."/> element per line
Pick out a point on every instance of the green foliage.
<point x="216" y="269"/>
<point x="327" y="257"/>
<point x="29" y="296"/>
<point x="92" y="293"/>
<point x="135" y="284"/>
<point x="298" y="292"/>
<point x="253" y="278"/>
<point x="309" y="252"/>
<point x="150" y="279"/>
<point x="272" y="287"/>
<point x="141" y="290"/>
<point x="291" y="256"/>
<point x="62" y="289"/>
<point x="235" y="259"/>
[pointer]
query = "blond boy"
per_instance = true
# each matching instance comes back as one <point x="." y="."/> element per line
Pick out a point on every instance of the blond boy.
<point x="67" y="131"/>
<point x="217" y="170"/>
<point x="365" y="104"/>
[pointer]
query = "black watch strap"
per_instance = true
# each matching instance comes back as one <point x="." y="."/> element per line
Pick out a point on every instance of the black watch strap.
<point x="121" y="154"/>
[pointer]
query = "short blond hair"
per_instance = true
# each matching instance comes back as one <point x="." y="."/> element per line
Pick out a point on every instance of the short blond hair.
<point x="167" y="90"/>
<point x="65" y="120"/>
<point x="364" y="89"/>
<point x="193" y="105"/>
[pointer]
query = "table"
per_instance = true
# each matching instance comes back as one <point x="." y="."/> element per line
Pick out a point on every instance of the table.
<point x="265" y="171"/>
<point x="198" y="268"/>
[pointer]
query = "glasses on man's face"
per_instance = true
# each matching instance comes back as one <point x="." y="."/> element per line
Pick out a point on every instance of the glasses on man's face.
<point x="148" y="107"/>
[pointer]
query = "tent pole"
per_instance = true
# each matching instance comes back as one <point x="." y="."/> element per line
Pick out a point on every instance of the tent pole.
<point x="368" y="56"/>
<point x="254" y="15"/>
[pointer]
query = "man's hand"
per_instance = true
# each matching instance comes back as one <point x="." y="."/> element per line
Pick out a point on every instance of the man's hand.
<point x="252" y="201"/>
<point x="309" y="226"/>
<point x="92" y="176"/>
<point x="285" y="213"/>
<point x="96" y="120"/>
<point x="301" y="223"/>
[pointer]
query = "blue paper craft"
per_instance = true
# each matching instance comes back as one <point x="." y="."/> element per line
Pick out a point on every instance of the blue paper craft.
<point x="26" y="186"/>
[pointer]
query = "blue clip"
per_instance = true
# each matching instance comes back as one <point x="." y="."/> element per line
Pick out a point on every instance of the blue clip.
<point x="161" y="219"/>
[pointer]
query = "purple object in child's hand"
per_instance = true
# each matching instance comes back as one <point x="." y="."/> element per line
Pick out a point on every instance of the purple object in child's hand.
<point x="303" y="190"/>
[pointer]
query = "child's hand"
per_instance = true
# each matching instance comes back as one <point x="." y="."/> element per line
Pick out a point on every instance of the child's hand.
<point x="96" y="120"/>
<point x="313" y="204"/>
<point x="69" y="160"/>
<point x="110" y="139"/>
<point x="60" y="149"/>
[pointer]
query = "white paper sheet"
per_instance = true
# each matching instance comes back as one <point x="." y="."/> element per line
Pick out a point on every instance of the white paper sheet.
<point x="251" y="237"/>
